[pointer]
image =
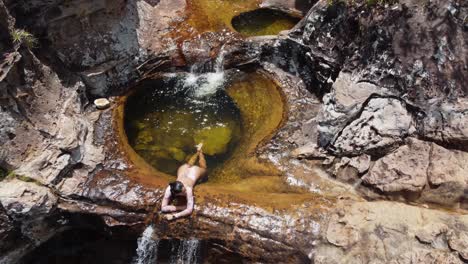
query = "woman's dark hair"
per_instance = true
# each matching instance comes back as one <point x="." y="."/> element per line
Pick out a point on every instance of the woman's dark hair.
<point x="176" y="187"/>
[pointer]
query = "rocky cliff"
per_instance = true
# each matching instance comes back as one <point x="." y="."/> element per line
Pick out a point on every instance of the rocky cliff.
<point x="377" y="98"/>
<point x="394" y="103"/>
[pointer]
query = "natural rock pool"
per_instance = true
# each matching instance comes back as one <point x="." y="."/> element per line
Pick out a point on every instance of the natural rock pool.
<point x="165" y="119"/>
<point x="263" y="22"/>
<point x="342" y="140"/>
<point x="245" y="16"/>
<point x="231" y="115"/>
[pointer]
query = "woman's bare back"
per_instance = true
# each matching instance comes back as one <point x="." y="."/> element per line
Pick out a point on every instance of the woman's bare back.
<point x="190" y="174"/>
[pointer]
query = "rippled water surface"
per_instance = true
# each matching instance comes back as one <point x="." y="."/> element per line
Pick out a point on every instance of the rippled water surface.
<point x="166" y="118"/>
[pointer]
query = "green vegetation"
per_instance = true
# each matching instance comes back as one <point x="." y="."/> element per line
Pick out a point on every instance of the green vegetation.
<point x="21" y="36"/>
<point x="24" y="178"/>
<point x="8" y="175"/>
<point x="332" y="2"/>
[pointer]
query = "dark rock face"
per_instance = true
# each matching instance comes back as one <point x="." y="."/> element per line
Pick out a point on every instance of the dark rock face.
<point x="390" y="75"/>
<point x="376" y="94"/>
<point x="8" y="234"/>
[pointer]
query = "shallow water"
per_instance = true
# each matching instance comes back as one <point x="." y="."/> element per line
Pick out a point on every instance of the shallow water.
<point x="165" y="118"/>
<point x="216" y="15"/>
<point x="263" y="22"/>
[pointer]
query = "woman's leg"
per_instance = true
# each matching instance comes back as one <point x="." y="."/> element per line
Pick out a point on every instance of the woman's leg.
<point x="193" y="159"/>
<point x="201" y="160"/>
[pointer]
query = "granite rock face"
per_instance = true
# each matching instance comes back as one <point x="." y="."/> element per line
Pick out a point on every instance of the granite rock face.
<point x="26" y="199"/>
<point x="388" y="74"/>
<point x="386" y="232"/>
<point x="378" y="107"/>
<point x="405" y="169"/>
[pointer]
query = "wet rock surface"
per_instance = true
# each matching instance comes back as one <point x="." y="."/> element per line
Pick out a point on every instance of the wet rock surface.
<point x="376" y="95"/>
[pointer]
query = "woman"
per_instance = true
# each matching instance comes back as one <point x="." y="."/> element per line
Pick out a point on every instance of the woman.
<point x="187" y="176"/>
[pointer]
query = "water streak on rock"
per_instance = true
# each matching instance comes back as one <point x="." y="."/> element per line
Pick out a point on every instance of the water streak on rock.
<point x="187" y="252"/>
<point x="147" y="250"/>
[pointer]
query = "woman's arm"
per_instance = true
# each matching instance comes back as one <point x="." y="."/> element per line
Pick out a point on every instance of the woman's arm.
<point x="190" y="205"/>
<point x="165" y="207"/>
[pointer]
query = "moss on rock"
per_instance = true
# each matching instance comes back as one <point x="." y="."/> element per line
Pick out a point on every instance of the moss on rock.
<point x="215" y="139"/>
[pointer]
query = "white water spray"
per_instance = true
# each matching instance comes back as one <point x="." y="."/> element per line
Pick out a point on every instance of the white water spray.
<point x="206" y="84"/>
<point x="147" y="250"/>
<point x="187" y="253"/>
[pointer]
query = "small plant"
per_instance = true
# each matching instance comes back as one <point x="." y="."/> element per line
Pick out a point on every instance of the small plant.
<point x="21" y="36"/>
<point x="24" y="178"/>
<point x="12" y="175"/>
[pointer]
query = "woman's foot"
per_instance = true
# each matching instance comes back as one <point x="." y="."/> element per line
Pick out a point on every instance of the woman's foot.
<point x="199" y="146"/>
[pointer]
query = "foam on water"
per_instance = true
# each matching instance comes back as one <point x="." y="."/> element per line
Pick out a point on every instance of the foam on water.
<point x="204" y="85"/>
<point x="201" y="85"/>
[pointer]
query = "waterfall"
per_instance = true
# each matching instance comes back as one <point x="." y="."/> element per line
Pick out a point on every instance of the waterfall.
<point x="206" y="83"/>
<point x="187" y="252"/>
<point x="219" y="62"/>
<point x="147" y="250"/>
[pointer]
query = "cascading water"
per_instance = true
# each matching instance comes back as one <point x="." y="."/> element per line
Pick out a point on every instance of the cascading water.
<point x="147" y="250"/>
<point x="202" y="84"/>
<point x="187" y="252"/>
<point x="183" y="252"/>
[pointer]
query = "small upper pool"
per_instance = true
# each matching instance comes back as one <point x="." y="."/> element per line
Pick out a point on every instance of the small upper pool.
<point x="262" y="22"/>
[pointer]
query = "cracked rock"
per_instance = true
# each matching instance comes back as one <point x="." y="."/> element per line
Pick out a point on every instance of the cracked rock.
<point x="405" y="169"/>
<point x="26" y="199"/>
<point x="383" y="123"/>
<point x="458" y="241"/>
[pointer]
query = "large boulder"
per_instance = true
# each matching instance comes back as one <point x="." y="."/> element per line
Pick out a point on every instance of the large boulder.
<point x="382" y="124"/>
<point x="26" y="199"/>
<point x="386" y="232"/>
<point x="403" y="169"/>
<point x="446" y="122"/>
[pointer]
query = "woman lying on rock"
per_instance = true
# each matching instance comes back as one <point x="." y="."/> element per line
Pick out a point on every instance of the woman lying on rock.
<point x="187" y="176"/>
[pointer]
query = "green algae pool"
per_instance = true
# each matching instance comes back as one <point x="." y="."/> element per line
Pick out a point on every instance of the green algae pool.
<point x="243" y="16"/>
<point x="165" y="118"/>
<point x="262" y="22"/>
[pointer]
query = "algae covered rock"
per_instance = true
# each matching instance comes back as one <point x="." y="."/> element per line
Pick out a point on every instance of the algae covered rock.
<point x="215" y="139"/>
<point x="144" y="137"/>
<point x="177" y="154"/>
